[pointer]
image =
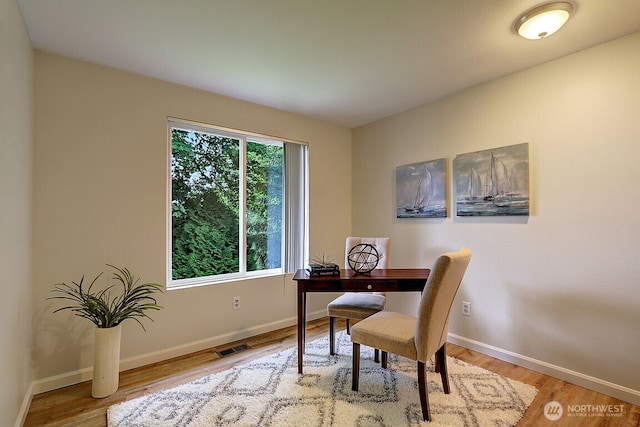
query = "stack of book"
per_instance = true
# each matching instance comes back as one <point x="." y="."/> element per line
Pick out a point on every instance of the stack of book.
<point x="329" y="269"/>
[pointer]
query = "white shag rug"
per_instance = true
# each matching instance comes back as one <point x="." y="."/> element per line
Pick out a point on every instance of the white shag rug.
<point x="269" y="392"/>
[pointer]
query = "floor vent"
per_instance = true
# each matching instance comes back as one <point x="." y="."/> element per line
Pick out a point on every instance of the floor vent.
<point x="233" y="350"/>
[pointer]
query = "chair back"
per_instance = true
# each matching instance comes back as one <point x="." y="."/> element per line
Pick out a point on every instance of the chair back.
<point x="382" y="245"/>
<point x="437" y="298"/>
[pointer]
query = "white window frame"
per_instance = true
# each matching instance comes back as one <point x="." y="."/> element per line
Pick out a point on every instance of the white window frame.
<point x="295" y="241"/>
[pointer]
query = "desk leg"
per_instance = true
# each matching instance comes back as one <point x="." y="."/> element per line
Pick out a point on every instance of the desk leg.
<point x="302" y="323"/>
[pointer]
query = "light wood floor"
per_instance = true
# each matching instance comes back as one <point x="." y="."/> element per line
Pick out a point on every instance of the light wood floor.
<point x="74" y="406"/>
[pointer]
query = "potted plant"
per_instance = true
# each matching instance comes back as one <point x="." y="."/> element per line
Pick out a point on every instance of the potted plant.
<point x="107" y="309"/>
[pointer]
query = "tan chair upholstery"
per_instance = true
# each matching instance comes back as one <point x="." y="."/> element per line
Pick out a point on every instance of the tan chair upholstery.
<point x="417" y="338"/>
<point x="358" y="305"/>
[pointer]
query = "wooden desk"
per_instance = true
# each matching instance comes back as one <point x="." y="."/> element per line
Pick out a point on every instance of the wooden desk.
<point x="389" y="280"/>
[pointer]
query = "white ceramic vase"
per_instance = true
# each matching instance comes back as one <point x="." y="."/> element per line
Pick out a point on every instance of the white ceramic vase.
<point x="106" y="361"/>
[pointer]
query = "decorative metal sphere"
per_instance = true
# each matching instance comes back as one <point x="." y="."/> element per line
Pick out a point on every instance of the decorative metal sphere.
<point x="363" y="258"/>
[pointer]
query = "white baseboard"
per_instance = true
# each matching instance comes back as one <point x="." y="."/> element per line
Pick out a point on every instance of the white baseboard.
<point x="24" y="409"/>
<point x="81" y="375"/>
<point x="577" y="378"/>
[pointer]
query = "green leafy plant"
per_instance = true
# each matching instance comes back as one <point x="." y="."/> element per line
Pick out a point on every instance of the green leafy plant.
<point x="106" y="308"/>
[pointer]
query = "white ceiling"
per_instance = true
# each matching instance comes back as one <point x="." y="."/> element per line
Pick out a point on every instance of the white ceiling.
<point x="348" y="62"/>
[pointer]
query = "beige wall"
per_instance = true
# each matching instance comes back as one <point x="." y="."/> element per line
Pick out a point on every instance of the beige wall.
<point x="561" y="286"/>
<point x="100" y="186"/>
<point x="16" y="63"/>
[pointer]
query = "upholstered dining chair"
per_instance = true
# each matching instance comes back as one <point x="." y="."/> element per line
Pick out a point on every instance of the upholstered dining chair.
<point x="417" y="338"/>
<point x="358" y="305"/>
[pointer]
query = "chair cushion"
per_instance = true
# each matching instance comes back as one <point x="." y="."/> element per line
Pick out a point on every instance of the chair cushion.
<point x="354" y="305"/>
<point x="388" y="331"/>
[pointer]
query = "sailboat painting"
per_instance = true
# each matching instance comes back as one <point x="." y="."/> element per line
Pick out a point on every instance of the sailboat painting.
<point x="420" y="190"/>
<point x="492" y="182"/>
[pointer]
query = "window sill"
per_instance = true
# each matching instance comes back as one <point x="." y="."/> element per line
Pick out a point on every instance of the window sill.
<point x="210" y="281"/>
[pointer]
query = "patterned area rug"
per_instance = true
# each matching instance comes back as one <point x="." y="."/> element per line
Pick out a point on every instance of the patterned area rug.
<point x="269" y="392"/>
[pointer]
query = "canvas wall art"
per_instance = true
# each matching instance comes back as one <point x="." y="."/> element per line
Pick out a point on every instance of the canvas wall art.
<point x="420" y="190"/>
<point x="492" y="182"/>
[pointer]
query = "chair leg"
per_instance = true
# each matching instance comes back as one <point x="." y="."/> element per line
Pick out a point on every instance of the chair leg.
<point x="441" y="362"/>
<point x="376" y="355"/>
<point x="355" y="367"/>
<point x="384" y="359"/>
<point x="332" y="335"/>
<point x="422" y="388"/>
<point x="348" y="327"/>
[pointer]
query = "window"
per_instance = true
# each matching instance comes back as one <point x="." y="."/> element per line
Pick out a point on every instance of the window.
<point x="238" y="204"/>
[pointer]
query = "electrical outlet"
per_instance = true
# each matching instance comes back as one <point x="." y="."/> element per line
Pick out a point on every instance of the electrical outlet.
<point x="466" y="308"/>
<point x="236" y="303"/>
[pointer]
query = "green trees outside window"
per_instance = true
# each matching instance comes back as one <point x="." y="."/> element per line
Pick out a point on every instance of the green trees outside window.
<point x="265" y="165"/>
<point x="227" y="203"/>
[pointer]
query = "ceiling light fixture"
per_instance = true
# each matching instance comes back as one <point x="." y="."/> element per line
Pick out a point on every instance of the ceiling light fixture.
<point x="544" y="20"/>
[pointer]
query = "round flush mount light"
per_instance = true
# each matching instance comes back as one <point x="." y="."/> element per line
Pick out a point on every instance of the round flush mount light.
<point x="543" y="20"/>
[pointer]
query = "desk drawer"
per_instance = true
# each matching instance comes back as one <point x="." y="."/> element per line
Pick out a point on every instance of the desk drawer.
<point x="369" y="285"/>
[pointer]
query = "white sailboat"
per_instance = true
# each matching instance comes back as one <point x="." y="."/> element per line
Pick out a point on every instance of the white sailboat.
<point x="497" y="180"/>
<point x="501" y="184"/>
<point x="424" y="192"/>
<point x="474" y="185"/>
